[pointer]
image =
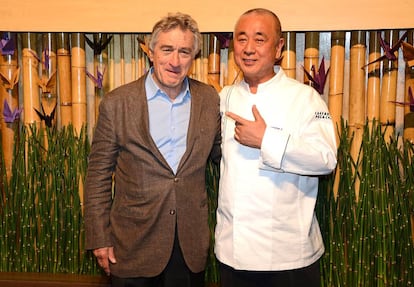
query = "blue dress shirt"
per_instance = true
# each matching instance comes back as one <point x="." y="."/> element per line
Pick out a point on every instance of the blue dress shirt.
<point x="168" y="120"/>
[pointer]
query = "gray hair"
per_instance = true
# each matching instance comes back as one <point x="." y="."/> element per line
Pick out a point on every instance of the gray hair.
<point x="173" y="20"/>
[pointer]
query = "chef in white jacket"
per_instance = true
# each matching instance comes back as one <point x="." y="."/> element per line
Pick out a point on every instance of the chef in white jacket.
<point x="278" y="136"/>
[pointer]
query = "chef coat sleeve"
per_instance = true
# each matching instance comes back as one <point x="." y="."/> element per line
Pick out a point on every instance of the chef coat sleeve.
<point x="307" y="147"/>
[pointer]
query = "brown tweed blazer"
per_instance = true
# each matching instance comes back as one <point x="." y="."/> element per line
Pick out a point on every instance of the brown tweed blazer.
<point x="139" y="216"/>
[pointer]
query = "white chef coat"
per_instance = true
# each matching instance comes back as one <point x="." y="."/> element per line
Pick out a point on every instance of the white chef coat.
<point x="267" y="196"/>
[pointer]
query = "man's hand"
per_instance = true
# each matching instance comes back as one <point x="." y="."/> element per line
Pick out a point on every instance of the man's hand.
<point x="105" y="255"/>
<point x="249" y="133"/>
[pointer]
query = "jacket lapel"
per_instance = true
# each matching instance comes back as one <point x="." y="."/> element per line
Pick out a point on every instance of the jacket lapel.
<point x="141" y="120"/>
<point x="193" y="126"/>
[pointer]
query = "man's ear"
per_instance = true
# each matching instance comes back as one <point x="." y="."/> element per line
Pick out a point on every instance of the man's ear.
<point x="279" y="48"/>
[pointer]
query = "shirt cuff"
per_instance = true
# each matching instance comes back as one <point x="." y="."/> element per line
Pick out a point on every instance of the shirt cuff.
<point x="273" y="149"/>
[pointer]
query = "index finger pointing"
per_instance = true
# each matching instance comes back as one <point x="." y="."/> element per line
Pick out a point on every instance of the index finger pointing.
<point x="235" y="117"/>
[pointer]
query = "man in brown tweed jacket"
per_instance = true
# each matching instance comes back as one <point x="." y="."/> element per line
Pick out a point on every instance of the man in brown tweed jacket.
<point x="152" y="141"/>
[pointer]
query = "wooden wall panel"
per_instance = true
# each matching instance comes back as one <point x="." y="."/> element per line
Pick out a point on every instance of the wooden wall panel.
<point x="212" y="15"/>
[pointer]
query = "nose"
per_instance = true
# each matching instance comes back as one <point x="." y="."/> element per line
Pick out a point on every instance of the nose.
<point x="249" y="48"/>
<point x="175" y="59"/>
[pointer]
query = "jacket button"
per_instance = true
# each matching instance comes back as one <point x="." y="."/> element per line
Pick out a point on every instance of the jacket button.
<point x="175" y="179"/>
<point x="172" y="211"/>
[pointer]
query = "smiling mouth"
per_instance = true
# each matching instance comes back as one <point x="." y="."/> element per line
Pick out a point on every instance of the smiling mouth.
<point x="249" y="61"/>
<point x="173" y="72"/>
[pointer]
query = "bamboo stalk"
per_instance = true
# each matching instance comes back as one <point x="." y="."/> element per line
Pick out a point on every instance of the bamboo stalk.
<point x="31" y="100"/>
<point x="49" y="62"/>
<point x="139" y="57"/>
<point x="197" y="68"/>
<point x="122" y="58"/>
<point x="144" y="63"/>
<point x="214" y="62"/>
<point x="357" y="80"/>
<point x="409" y="82"/>
<point x="192" y="73"/>
<point x="224" y="55"/>
<point x="205" y="57"/>
<point x="374" y="80"/>
<point x="289" y="54"/>
<point x="127" y="59"/>
<point x="357" y="94"/>
<point x="311" y="54"/>
<point x="336" y="89"/>
<point x="133" y="58"/>
<point x="9" y="90"/>
<point x="336" y="79"/>
<point x="111" y="65"/>
<point x="101" y="64"/>
<point x="64" y="77"/>
<point x="389" y="88"/>
<point x="47" y="84"/>
<point x="78" y="62"/>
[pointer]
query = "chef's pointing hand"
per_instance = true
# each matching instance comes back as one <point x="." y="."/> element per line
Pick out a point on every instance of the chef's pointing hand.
<point x="249" y="133"/>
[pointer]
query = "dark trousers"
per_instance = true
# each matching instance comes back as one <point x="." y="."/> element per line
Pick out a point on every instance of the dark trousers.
<point x="304" y="277"/>
<point x="176" y="274"/>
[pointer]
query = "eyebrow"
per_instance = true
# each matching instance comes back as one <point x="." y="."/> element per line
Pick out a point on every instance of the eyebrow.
<point x="256" y="34"/>
<point x="166" y="46"/>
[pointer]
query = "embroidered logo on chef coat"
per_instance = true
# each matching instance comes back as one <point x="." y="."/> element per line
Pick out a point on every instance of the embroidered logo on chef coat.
<point x="322" y="115"/>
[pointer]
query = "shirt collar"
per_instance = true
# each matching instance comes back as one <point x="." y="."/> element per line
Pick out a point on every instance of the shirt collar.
<point x="153" y="90"/>
<point x="279" y="73"/>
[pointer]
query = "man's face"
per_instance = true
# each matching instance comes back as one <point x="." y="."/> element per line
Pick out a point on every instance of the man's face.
<point x="172" y="58"/>
<point x="256" y="46"/>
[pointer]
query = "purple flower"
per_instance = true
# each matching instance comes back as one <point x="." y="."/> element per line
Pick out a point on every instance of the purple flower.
<point x="411" y="100"/>
<point x="224" y="39"/>
<point x="319" y="78"/>
<point x="9" y="115"/>
<point x="98" y="80"/>
<point x="388" y="51"/>
<point x="46" y="56"/>
<point x="7" y="45"/>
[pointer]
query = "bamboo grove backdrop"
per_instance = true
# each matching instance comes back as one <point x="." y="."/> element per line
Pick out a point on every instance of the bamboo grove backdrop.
<point x="51" y="87"/>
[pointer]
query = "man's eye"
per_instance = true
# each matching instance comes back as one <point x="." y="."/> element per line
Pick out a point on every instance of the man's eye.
<point x="185" y="52"/>
<point x="167" y="50"/>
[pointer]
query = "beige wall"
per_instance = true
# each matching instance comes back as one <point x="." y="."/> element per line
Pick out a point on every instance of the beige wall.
<point x="212" y="15"/>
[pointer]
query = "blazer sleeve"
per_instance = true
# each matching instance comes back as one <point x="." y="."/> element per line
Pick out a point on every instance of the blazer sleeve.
<point x="98" y="183"/>
<point x="215" y="154"/>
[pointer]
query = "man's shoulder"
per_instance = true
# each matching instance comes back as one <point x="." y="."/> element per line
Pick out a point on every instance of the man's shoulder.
<point x="295" y="85"/>
<point x="126" y="91"/>
<point x="198" y="85"/>
<point x="131" y="86"/>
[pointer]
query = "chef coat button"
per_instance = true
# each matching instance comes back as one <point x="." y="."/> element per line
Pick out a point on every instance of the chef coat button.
<point x="172" y="211"/>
